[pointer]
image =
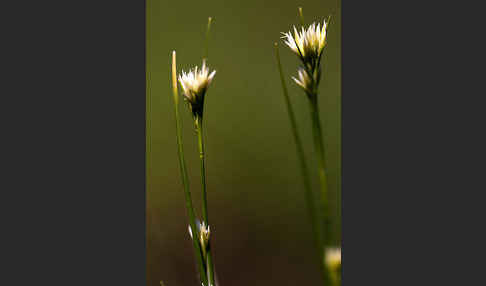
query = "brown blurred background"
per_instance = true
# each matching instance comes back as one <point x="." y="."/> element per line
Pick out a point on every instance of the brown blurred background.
<point x="259" y="224"/>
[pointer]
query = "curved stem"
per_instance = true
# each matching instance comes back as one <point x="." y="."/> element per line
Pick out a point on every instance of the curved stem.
<point x="185" y="180"/>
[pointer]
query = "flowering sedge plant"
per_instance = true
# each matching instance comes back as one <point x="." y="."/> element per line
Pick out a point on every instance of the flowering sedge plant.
<point x="308" y="44"/>
<point x="194" y="84"/>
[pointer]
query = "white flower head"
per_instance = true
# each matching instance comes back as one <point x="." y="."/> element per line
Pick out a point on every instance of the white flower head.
<point x="204" y="233"/>
<point x="309" y="43"/>
<point x="333" y="257"/>
<point x="194" y="85"/>
<point x="304" y="80"/>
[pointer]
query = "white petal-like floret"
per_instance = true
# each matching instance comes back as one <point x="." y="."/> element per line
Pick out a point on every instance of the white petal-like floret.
<point x="190" y="230"/>
<point x="333" y="257"/>
<point x="308" y="43"/>
<point x="204" y="233"/>
<point x="303" y="80"/>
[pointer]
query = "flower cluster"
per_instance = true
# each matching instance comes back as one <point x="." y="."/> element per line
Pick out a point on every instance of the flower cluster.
<point x="194" y="85"/>
<point x="308" y="44"/>
<point x="203" y="235"/>
<point x="304" y="80"/>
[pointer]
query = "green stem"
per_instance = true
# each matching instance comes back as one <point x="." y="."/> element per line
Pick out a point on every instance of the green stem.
<point x="301" y="16"/>
<point x="200" y="140"/>
<point x="318" y="144"/>
<point x="309" y="197"/>
<point x="206" y="44"/>
<point x="185" y="180"/>
<point x="335" y="278"/>
<point x="210" y="266"/>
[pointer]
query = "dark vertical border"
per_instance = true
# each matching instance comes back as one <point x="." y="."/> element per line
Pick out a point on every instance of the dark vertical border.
<point x="371" y="181"/>
<point x="403" y="184"/>
<point x="74" y="150"/>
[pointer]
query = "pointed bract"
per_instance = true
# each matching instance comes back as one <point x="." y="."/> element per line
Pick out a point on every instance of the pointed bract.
<point x="303" y="80"/>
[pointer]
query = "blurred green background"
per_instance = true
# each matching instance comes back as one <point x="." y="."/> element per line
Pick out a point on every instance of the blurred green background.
<point x="259" y="224"/>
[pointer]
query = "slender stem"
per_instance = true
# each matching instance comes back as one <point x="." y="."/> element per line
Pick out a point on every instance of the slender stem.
<point x="210" y="267"/>
<point x="317" y="134"/>
<point x="309" y="197"/>
<point x="200" y="140"/>
<point x="301" y="16"/>
<point x="209" y="259"/>
<point x="206" y="44"/>
<point x="335" y="278"/>
<point x="185" y="180"/>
